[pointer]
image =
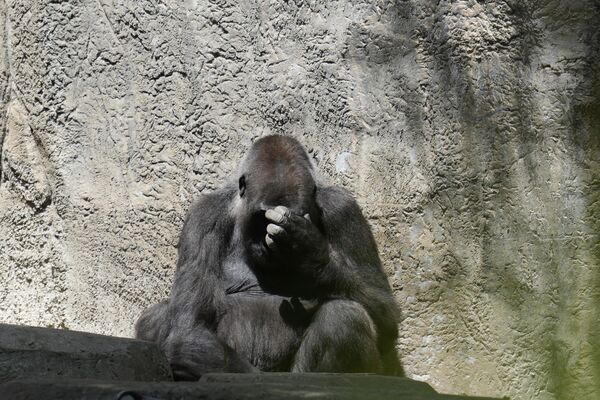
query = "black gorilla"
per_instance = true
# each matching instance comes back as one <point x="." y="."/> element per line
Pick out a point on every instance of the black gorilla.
<point x="276" y="272"/>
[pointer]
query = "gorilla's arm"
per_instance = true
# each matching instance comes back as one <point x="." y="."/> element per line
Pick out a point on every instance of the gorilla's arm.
<point x="340" y="266"/>
<point x="197" y="295"/>
<point x="354" y="270"/>
<point x="203" y="246"/>
<point x="338" y="261"/>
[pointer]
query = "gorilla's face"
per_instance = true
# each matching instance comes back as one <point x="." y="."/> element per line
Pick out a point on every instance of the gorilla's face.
<point x="275" y="174"/>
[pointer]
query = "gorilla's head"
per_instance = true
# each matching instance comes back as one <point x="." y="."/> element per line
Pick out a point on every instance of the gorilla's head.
<point x="276" y="172"/>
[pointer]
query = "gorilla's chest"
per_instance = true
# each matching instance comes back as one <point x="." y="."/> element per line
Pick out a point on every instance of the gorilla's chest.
<point x="239" y="278"/>
<point x="255" y="324"/>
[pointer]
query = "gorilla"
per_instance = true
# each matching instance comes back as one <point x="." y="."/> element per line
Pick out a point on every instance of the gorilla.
<point x="276" y="272"/>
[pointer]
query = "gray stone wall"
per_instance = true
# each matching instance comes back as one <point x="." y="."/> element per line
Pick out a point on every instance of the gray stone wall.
<point x="469" y="132"/>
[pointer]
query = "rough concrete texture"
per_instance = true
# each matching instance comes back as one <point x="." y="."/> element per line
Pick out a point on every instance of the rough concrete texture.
<point x="468" y="131"/>
<point x="28" y="352"/>
<point x="233" y="386"/>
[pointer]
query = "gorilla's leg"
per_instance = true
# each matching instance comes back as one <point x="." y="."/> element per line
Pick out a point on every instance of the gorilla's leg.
<point x="191" y="350"/>
<point x="341" y="338"/>
<point x="196" y="351"/>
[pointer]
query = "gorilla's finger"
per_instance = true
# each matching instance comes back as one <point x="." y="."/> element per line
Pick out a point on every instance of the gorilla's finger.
<point x="307" y="216"/>
<point x="275" y="230"/>
<point x="283" y="211"/>
<point x="275" y="216"/>
<point x="270" y="242"/>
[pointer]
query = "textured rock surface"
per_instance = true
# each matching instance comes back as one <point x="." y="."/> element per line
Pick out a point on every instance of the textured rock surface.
<point x="468" y="130"/>
<point x="234" y="386"/>
<point x="29" y="352"/>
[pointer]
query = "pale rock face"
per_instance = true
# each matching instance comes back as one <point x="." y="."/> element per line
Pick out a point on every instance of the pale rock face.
<point x="467" y="130"/>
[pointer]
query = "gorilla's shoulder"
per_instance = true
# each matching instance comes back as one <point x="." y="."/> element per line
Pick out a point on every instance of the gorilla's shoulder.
<point x="337" y="201"/>
<point x="219" y="198"/>
<point x="211" y="207"/>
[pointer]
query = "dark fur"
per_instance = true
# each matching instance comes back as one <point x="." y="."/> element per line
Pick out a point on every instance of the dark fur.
<point x="322" y="305"/>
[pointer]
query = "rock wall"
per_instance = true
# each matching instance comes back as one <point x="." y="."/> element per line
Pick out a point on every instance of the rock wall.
<point x="469" y="132"/>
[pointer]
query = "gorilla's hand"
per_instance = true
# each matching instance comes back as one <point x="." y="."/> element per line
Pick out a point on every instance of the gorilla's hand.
<point x="291" y="233"/>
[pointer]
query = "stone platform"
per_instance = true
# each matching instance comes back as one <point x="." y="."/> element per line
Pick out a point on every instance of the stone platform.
<point x="29" y="352"/>
<point x="40" y="364"/>
<point x="264" y="386"/>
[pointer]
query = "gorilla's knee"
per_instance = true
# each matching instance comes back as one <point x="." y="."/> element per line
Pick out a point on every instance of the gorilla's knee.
<point x="347" y="317"/>
<point x="196" y="351"/>
<point x="149" y="324"/>
<point x="342" y="337"/>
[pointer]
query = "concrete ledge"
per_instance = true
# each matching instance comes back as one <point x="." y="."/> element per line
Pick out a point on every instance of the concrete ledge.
<point x="265" y="386"/>
<point x="29" y="352"/>
<point x="40" y="363"/>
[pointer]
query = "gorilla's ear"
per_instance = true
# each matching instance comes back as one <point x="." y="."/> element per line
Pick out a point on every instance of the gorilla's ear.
<point x="242" y="182"/>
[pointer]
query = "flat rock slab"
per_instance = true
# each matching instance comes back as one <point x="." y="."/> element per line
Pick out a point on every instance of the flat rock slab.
<point x="29" y="352"/>
<point x="264" y="386"/>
